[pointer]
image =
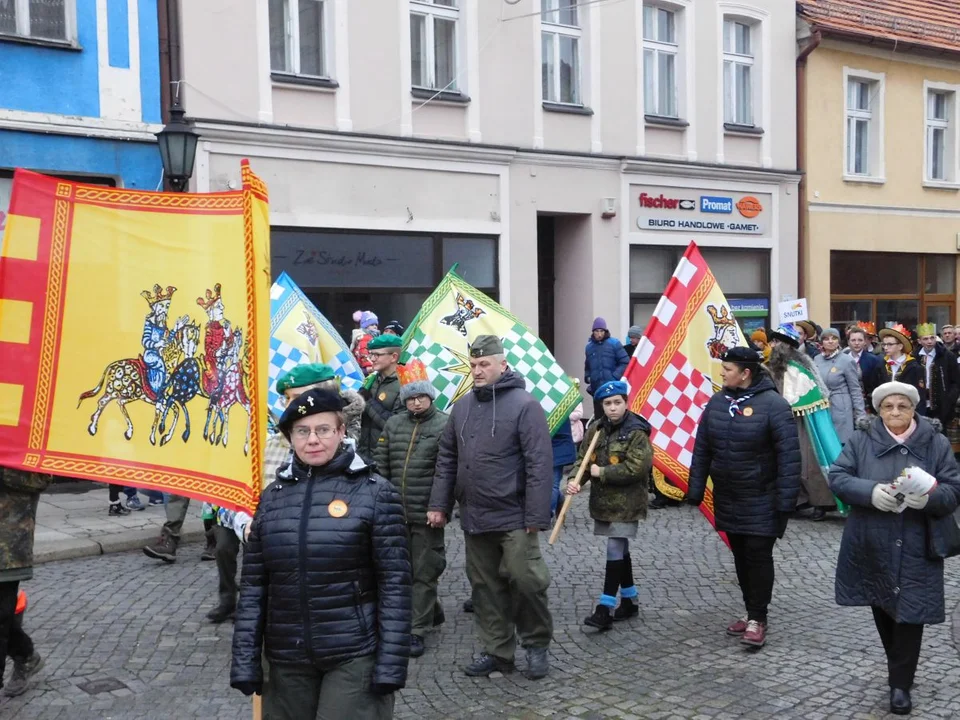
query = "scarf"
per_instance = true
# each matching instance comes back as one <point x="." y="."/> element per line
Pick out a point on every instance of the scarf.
<point x="734" y="408"/>
<point x="902" y="438"/>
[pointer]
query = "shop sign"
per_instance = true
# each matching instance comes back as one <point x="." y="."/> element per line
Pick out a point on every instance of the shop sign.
<point x="699" y="210"/>
<point x="749" y="306"/>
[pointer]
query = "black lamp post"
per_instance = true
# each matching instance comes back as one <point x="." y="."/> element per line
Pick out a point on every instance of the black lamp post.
<point x="178" y="148"/>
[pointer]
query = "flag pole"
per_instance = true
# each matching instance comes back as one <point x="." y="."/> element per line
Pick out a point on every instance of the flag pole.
<point x="257" y="707"/>
<point x="587" y="460"/>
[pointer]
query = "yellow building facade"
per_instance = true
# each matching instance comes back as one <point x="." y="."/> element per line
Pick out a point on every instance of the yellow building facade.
<point x="880" y="200"/>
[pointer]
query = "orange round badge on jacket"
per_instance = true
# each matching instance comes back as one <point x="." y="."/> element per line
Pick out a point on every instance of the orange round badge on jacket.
<point x="748" y="411"/>
<point x="337" y="509"/>
<point x="614" y="460"/>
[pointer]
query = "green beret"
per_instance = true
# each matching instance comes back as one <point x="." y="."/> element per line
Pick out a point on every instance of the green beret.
<point x="486" y="345"/>
<point x="385" y="342"/>
<point x="304" y="375"/>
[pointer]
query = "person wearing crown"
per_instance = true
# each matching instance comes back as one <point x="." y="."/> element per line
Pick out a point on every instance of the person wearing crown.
<point x="217" y="335"/>
<point x="941" y="382"/>
<point x="899" y="364"/>
<point x="406" y="454"/>
<point x="156" y="336"/>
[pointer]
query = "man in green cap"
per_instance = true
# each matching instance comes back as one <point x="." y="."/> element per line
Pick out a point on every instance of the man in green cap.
<point x="231" y="527"/>
<point x="382" y="395"/>
<point x="496" y="452"/>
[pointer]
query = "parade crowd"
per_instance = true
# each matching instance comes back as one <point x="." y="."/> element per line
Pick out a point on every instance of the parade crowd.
<point x="341" y="561"/>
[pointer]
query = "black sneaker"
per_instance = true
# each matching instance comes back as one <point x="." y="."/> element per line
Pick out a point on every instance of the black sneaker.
<point x="117" y="510"/>
<point x="485" y="664"/>
<point x="601" y="618"/>
<point x="210" y="550"/>
<point x="627" y="609"/>
<point x="220" y="614"/>
<point x="538" y="663"/>
<point x="416" y="646"/>
<point x="23" y="670"/>
<point x="468" y="605"/>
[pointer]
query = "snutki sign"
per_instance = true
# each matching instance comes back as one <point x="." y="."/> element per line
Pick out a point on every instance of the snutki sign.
<point x="792" y="311"/>
<point x="694" y="210"/>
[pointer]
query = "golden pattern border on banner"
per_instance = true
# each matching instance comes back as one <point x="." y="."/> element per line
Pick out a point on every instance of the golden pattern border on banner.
<point x="143" y="199"/>
<point x="250" y="268"/>
<point x="51" y="320"/>
<point x="109" y="473"/>
<point x="676" y="339"/>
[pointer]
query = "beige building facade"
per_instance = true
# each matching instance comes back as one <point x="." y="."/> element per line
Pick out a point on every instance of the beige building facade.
<point x="881" y="226"/>
<point x="564" y="155"/>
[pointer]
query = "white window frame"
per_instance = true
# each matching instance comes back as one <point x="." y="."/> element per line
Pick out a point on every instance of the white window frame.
<point x="23" y="23"/>
<point x="732" y="59"/>
<point x="431" y="13"/>
<point x="663" y="47"/>
<point x="548" y="8"/>
<point x="951" y="160"/>
<point x="291" y="35"/>
<point x="875" y="147"/>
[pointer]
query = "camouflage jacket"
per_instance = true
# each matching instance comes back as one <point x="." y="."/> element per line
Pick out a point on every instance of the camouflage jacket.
<point x="19" y="496"/>
<point x="625" y="456"/>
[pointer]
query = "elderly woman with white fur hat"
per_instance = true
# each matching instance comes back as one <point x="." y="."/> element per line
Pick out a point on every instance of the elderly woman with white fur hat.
<point x="898" y="475"/>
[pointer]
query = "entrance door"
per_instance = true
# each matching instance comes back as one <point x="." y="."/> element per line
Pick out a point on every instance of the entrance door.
<point x="546" y="280"/>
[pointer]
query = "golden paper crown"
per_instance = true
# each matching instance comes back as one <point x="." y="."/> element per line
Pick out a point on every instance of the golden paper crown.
<point x="158" y="294"/>
<point x="413" y="371"/>
<point x="211" y="298"/>
<point x="924" y="329"/>
<point x="868" y="327"/>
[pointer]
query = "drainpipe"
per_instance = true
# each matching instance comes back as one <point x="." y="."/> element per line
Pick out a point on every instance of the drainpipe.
<point x="803" y="230"/>
<point x="168" y="17"/>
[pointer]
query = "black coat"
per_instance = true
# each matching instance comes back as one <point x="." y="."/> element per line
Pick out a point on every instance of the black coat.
<point x="883" y="558"/>
<point x="944" y="387"/>
<point x="753" y="458"/>
<point x="318" y="589"/>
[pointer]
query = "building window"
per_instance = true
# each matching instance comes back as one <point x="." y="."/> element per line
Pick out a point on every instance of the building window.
<point x="888" y="288"/>
<point x="561" y="34"/>
<point x="433" y="44"/>
<point x="660" y="50"/>
<point x="297" y="37"/>
<point x="392" y="274"/>
<point x="40" y="19"/>
<point x="738" y="70"/>
<point x="863" y="145"/>
<point x="940" y="145"/>
<point x="741" y="273"/>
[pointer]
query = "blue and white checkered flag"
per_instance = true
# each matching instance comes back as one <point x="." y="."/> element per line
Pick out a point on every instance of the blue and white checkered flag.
<point x="299" y="333"/>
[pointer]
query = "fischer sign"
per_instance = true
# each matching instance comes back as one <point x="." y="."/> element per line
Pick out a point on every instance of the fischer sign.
<point x="699" y="210"/>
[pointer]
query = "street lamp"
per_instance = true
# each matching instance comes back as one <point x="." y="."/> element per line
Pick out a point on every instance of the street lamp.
<point x="178" y="148"/>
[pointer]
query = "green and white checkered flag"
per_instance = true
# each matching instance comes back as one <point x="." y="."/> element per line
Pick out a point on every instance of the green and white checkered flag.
<point x="452" y="317"/>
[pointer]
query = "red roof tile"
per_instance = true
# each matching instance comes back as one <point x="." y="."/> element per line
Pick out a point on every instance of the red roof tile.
<point x="931" y="24"/>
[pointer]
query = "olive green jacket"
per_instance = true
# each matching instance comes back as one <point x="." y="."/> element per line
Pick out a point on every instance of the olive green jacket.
<point x="406" y="454"/>
<point x="625" y="457"/>
<point x="383" y="402"/>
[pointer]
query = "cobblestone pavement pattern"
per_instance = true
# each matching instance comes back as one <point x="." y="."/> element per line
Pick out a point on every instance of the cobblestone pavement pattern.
<point x="141" y="623"/>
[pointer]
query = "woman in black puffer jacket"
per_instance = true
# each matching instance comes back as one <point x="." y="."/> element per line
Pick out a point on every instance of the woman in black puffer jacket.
<point x="747" y="443"/>
<point x="326" y="580"/>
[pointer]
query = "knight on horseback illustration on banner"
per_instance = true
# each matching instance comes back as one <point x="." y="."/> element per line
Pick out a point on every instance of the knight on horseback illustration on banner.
<point x="156" y="336"/>
<point x="171" y="371"/>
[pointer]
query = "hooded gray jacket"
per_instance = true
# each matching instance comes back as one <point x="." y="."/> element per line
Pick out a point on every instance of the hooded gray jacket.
<point x="496" y="460"/>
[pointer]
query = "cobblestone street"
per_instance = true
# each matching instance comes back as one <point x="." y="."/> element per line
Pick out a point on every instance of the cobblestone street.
<point x="125" y="622"/>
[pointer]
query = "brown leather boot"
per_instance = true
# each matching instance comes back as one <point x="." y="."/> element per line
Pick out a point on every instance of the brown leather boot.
<point x="164" y="549"/>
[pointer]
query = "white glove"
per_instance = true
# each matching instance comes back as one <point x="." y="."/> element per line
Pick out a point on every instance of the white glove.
<point x="916" y="481"/>
<point x="917" y="502"/>
<point x="882" y="499"/>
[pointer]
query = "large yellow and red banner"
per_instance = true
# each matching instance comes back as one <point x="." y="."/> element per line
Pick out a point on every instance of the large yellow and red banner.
<point x="676" y="367"/>
<point x="134" y="329"/>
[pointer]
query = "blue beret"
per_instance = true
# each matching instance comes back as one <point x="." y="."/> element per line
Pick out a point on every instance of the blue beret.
<point x="609" y="389"/>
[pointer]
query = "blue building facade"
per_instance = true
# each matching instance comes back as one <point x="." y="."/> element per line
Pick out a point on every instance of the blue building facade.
<point x="80" y="91"/>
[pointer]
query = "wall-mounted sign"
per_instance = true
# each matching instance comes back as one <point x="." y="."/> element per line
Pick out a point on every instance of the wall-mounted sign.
<point x="699" y="210"/>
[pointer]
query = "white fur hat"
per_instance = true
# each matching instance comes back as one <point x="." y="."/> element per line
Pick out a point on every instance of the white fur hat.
<point x="895" y="388"/>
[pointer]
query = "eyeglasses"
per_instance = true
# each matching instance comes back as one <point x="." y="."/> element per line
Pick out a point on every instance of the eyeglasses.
<point x="379" y="354"/>
<point x="889" y="344"/>
<point x="323" y="432"/>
